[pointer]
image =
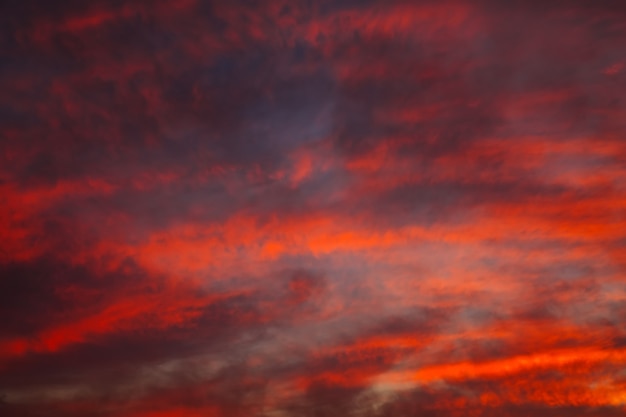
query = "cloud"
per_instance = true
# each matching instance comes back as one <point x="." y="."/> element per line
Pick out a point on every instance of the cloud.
<point x="312" y="208"/>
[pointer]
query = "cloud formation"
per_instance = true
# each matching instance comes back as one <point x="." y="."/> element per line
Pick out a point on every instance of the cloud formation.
<point x="312" y="208"/>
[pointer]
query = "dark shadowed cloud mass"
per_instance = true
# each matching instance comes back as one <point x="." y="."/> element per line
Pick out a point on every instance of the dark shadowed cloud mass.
<point x="312" y="208"/>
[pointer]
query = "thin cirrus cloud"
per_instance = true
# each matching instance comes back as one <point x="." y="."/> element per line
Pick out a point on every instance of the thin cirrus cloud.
<point x="321" y="208"/>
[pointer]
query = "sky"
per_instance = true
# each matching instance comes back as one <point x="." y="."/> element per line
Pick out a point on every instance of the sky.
<point x="313" y="208"/>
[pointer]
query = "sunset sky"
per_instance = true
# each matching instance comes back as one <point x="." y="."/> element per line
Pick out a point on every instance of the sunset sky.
<point x="313" y="208"/>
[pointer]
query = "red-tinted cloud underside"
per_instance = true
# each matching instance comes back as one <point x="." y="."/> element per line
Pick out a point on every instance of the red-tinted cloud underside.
<point x="312" y="208"/>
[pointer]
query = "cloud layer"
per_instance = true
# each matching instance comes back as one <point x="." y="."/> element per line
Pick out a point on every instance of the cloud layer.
<point x="312" y="208"/>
